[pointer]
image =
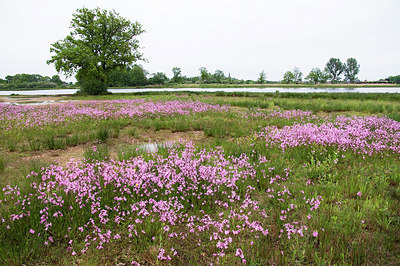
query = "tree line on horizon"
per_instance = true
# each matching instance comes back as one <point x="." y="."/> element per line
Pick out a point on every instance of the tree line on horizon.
<point x="136" y="76"/>
<point x="28" y="81"/>
<point x="332" y="73"/>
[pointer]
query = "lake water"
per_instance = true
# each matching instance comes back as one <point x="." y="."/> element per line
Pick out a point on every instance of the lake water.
<point x="298" y="90"/>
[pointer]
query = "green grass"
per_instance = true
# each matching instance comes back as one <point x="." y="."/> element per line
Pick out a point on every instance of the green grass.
<point x="2" y="164"/>
<point x="96" y="153"/>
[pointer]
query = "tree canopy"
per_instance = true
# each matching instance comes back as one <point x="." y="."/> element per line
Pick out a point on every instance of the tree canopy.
<point x="317" y="76"/>
<point x="394" y="79"/>
<point x="100" y="42"/>
<point x="335" y="68"/>
<point x="289" y="77"/>
<point x="298" y="76"/>
<point x="262" y="78"/>
<point x="352" y="68"/>
<point x="205" y="77"/>
<point x="294" y="76"/>
<point x="177" y="78"/>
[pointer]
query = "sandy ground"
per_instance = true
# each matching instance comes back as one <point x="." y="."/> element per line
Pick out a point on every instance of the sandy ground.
<point x="62" y="157"/>
<point x="33" y="100"/>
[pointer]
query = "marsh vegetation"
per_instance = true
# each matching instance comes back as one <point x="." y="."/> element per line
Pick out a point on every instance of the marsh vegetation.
<point x="229" y="178"/>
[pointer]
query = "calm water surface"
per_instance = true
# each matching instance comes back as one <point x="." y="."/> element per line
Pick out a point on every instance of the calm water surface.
<point x="298" y="90"/>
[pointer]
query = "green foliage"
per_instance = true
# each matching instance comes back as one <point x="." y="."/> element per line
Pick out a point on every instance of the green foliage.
<point x="289" y="77"/>
<point x="120" y="77"/>
<point x="56" y="79"/>
<point x="158" y="78"/>
<point x="54" y="143"/>
<point x="335" y="68"/>
<point x="2" y="164"/>
<point x="352" y="68"/>
<point x="90" y="84"/>
<point x="317" y="76"/>
<point x="298" y="76"/>
<point x="262" y="78"/>
<point x="218" y="76"/>
<point x="205" y="77"/>
<point x="28" y="81"/>
<point x="73" y="140"/>
<point x="100" y="42"/>
<point x="394" y="79"/>
<point x="177" y="78"/>
<point x="131" y="77"/>
<point x="27" y="78"/>
<point x="137" y="76"/>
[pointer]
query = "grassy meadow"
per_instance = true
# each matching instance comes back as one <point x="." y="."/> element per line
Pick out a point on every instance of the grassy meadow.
<point x="202" y="178"/>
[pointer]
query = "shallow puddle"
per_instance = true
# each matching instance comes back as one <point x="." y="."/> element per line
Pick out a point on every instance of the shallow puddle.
<point x="154" y="147"/>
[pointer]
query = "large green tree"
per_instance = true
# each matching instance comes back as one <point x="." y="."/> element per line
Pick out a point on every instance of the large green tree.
<point x="335" y="68"/>
<point x="352" y="68"/>
<point x="100" y="42"/>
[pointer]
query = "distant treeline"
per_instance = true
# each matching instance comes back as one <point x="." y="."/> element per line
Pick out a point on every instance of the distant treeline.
<point x="393" y="79"/>
<point x="137" y="76"/>
<point x="334" y="72"/>
<point x="28" y="81"/>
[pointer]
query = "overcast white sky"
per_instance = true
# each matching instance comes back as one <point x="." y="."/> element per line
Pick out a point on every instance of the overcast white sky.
<point x="240" y="37"/>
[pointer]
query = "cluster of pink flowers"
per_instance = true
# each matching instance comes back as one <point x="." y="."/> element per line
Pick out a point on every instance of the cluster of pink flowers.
<point x="162" y="192"/>
<point x="61" y="114"/>
<point x="364" y="135"/>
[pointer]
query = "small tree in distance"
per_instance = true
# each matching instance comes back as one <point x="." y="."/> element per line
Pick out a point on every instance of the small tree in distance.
<point x="100" y="42"/>
<point x="158" y="78"/>
<point x="204" y="75"/>
<point x="352" y="68"/>
<point x="317" y="76"/>
<point x="177" y="78"/>
<point x="288" y="77"/>
<point x="335" y="68"/>
<point x="298" y="76"/>
<point x="262" y="78"/>
<point x="218" y="76"/>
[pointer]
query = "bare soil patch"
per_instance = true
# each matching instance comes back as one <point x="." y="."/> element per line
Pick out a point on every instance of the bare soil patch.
<point x="34" y="100"/>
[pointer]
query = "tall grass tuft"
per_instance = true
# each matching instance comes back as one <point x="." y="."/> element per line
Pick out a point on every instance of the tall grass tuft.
<point x="54" y="143"/>
<point x="102" y="134"/>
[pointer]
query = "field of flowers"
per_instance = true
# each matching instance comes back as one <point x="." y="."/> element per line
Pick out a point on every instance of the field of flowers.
<point x="21" y="117"/>
<point x="262" y="187"/>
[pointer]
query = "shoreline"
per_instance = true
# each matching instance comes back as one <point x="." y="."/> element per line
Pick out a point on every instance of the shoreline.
<point x="218" y="85"/>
